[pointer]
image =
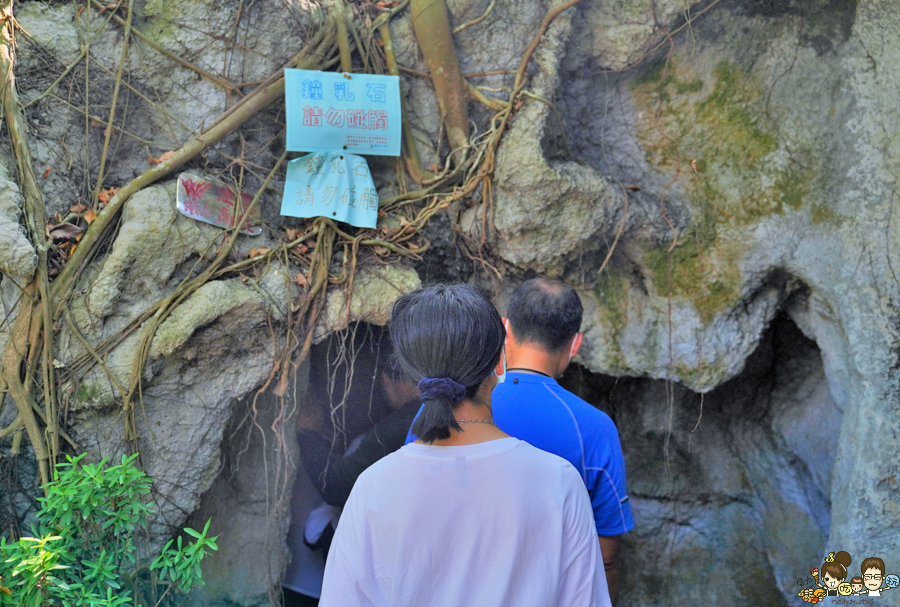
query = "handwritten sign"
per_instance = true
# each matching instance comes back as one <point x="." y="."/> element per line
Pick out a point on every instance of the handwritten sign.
<point x="331" y="184"/>
<point x="332" y="112"/>
<point x="214" y="202"/>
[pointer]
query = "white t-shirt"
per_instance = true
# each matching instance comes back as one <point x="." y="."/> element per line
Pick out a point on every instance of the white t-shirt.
<point x="492" y="524"/>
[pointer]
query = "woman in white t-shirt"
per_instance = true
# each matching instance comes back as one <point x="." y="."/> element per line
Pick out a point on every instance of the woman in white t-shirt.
<point x="466" y="516"/>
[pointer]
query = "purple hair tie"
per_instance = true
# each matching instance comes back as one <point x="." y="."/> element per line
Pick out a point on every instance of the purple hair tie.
<point x="432" y="387"/>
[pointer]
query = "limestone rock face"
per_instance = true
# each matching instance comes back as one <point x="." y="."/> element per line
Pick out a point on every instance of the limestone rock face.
<point x="740" y="476"/>
<point x="374" y="291"/>
<point x="759" y="161"/>
<point x="17" y="257"/>
<point x="221" y="326"/>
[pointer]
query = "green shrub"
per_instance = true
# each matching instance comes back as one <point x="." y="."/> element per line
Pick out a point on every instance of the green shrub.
<point x="84" y="553"/>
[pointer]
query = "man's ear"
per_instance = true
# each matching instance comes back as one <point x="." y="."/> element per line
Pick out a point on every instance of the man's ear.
<point x="508" y="327"/>
<point x="576" y="343"/>
<point x="501" y="368"/>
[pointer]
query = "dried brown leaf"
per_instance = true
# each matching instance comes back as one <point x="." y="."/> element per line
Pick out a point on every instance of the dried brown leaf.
<point x="162" y="158"/>
<point x="90" y="216"/>
<point x="105" y="195"/>
<point x="301" y="279"/>
<point x="78" y="208"/>
<point x="64" y="231"/>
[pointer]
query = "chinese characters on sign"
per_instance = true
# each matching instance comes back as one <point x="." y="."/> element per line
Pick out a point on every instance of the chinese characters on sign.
<point x="331" y="184"/>
<point x="332" y="112"/>
<point x="214" y="203"/>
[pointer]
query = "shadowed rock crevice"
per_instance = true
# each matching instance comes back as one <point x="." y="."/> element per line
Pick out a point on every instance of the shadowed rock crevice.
<point x="737" y="479"/>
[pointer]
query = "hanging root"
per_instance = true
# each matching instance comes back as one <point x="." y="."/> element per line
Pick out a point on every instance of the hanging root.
<point x="36" y="294"/>
<point x="431" y="23"/>
<point x="411" y="154"/>
<point x="263" y="96"/>
<point x="339" y="15"/>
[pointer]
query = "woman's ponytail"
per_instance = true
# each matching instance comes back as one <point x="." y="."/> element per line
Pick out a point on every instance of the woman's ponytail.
<point x="440" y="396"/>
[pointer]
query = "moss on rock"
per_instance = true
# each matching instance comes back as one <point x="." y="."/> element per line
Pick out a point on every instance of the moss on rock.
<point x="709" y="125"/>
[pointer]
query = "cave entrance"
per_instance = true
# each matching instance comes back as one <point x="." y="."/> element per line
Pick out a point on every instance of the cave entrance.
<point x="345" y="425"/>
<point x="730" y="489"/>
<point x="262" y="496"/>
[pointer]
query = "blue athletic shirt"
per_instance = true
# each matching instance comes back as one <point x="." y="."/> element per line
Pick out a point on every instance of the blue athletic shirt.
<point x="536" y="409"/>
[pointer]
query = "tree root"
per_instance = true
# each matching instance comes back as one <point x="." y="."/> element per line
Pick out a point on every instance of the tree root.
<point x="36" y="295"/>
<point x="411" y="156"/>
<point x="107" y="134"/>
<point x="431" y="24"/>
<point x="339" y="14"/>
<point x="32" y="332"/>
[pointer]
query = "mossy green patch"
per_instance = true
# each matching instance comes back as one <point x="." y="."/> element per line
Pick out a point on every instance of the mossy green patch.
<point x="611" y="290"/>
<point x="688" y="87"/>
<point x="822" y="213"/>
<point x="711" y="126"/>
<point x="88" y="393"/>
<point x="704" y="272"/>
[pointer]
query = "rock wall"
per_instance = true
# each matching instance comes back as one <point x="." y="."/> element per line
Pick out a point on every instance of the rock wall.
<point x="732" y="487"/>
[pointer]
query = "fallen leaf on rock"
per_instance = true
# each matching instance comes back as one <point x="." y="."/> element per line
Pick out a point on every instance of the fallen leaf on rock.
<point x="161" y="159"/>
<point x="259" y="251"/>
<point x="293" y="233"/>
<point x="90" y="216"/>
<point x="66" y="249"/>
<point x="64" y="231"/>
<point x="78" y="208"/>
<point x="105" y="195"/>
<point x="46" y="172"/>
<point x="301" y="280"/>
<point x="96" y="122"/>
<point x="379" y="250"/>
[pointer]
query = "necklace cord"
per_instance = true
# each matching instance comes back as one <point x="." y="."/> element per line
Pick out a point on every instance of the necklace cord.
<point x="528" y="370"/>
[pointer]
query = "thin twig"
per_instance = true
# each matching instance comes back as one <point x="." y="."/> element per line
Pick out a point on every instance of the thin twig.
<point x="477" y="20"/>
<point x="107" y="135"/>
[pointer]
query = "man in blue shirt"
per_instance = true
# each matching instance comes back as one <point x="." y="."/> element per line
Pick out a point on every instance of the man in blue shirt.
<point x="543" y="322"/>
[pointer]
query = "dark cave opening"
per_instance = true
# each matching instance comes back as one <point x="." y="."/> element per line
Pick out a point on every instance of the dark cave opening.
<point x="738" y="479"/>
